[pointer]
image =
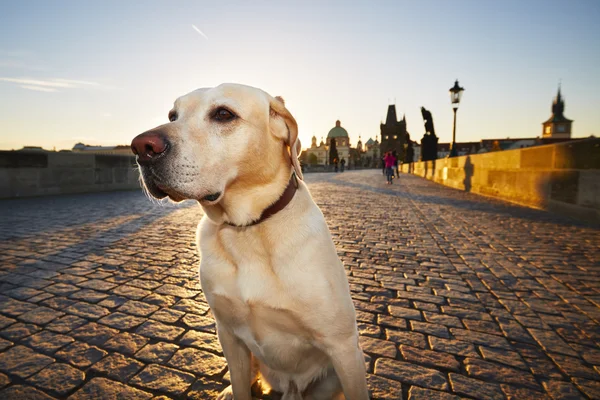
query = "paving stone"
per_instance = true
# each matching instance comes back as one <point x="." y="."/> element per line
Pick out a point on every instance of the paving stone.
<point x="144" y="283"/>
<point x="157" y="353"/>
<point x="430" y="329"/>
<point x="14" y="308"/>
<point x="58" y="303"/>
<point x="91" y="296"/>
<point x="20" y="392"/>
<point x="589" y="387"/>
<point x="167" y="315"/>
<point x="480" y="338"/>
<point x="411" y="374"/>
<point x="87" y="310"/>
<point x="93" y="333"/>
<point x="22" y="293"/>
<point x="66" y="324"/>
<point x="456" y="347"/>
<point x="163" y="379"/>
<point x="510" y="358"/>
<point x="47" y="342"/>
<point x="518" y="393"/>
<point x="191" y="306"/>
<point x="475" y="388"/>
<point x="417" y="393"/>
<point x="113" y="301"/>
<point x="177" y="291"/>
<point x="19" y="331"/>
<point x="562" y="390"/>
<point x="59" y="378"/>
<point x="61" y="289"/>
<point x="160" y="300"/>
<point x="442" y="319"/>
<point x="369" y="330"/>
<point x="101" y="388"/>
<point x="205" y="389"/>
<point x="97" y="284"/>
<point x="405" y="312"/>
<point x="574" y="367"/>
<point x="22" y="361"/>
<point x="198" y="362"/>
<point x="414" y="339"/>
<point x="429" y="358"/>
<point x="122" y="321"/>
<point x="126" y="343"/>
<point x="157" y="330"/>
<point x="138" y="308"/>
<point x="4" y="380"/>
<point x="5" y="344"/>
<point x="131" y="292"/>
<point x="487" y="371"/>
<point x="117" y="366"/>
<point x="465" y="313"/>
<point x="40" y="315"/>
<point x="384" y="389"/>
<point x="81" y="355"/>
<point x="5" y="321"/>
<point x="202" y="340"/>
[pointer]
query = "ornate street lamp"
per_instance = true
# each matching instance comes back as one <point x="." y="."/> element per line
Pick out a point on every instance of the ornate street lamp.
<point x="455" y="94"/>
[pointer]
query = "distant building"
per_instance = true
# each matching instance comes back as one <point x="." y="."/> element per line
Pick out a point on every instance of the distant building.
<point x="393" y="133"/>
<point x="316" y="155"/>
<point x="342" y="141"/>
<point x="320" y="154"/>
<point x="558" y="126"/>
<point x="33" y="148"/>
<point x="120" y="149"/>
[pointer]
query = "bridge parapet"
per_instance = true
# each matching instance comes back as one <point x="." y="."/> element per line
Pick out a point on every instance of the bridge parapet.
<point x="563" y="178"/>
<point x="38" y="173"/>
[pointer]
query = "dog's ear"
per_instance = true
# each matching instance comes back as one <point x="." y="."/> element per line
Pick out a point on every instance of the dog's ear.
<point x="288" y="135"/>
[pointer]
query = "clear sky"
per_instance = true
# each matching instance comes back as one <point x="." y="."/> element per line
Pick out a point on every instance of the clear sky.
<point x="102" y="72"/>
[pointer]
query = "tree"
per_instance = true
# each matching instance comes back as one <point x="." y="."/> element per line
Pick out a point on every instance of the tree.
<point x="333" y="153"/>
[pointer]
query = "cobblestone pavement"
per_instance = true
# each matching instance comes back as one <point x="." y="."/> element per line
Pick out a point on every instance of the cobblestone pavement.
<point x="457" y="296"/>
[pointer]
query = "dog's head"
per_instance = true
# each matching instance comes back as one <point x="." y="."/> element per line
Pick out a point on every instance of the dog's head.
<point x="215" y="137"/>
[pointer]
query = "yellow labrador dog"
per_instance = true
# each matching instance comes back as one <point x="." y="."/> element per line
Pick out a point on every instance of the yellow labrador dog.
<point x="269" y="268"/>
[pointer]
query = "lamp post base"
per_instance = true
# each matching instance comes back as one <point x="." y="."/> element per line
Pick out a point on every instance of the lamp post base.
<point x="453" y="151"/>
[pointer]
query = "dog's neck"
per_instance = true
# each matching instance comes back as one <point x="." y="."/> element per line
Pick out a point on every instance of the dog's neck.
<point x="244" y="206"/>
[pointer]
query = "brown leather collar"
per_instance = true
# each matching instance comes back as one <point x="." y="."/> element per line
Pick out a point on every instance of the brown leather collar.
<point x="284" y="200"/>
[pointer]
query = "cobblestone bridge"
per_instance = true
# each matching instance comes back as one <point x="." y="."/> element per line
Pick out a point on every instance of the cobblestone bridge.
<point x="457" y="296"/>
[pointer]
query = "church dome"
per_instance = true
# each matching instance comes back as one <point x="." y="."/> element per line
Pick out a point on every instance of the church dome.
<point x="337" y="131"/>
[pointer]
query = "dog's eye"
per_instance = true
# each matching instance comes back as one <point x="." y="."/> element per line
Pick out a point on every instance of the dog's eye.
<point x="173" y="116"/>
<point x="223" y="115"/>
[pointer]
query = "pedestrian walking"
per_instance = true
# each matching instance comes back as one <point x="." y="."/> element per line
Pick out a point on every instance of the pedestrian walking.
<point x="335" y="163"/>
<point x="389" y="167"/>
<point x="343" y="164"/>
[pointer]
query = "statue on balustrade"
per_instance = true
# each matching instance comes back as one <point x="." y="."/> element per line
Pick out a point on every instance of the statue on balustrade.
<point x="430" y="140"/>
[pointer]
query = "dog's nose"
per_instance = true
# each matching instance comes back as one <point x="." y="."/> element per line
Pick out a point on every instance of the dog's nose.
<point x="148" y="146"/>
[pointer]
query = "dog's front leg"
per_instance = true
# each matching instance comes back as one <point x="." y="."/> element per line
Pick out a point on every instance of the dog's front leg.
<point x="349" y="364"/>
<point x="238" y="360"/>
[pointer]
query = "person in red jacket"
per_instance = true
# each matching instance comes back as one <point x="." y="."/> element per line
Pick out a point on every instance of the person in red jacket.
<point x="390" y="160"/>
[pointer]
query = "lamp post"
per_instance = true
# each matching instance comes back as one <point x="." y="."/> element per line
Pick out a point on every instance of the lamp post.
<point x="455" y="94"/>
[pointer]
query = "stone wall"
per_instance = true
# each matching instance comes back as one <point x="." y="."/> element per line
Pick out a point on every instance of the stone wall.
<point x="563" y="178"/>
<point x="36" y="173"/>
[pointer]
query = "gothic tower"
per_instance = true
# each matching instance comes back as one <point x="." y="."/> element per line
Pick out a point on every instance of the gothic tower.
<point x="393" y="133"/>
<point x="558" y="126"/>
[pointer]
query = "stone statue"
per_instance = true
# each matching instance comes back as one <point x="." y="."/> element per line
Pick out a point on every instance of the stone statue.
<point x="430" y="140"/>
<point x="428" y="121"/>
